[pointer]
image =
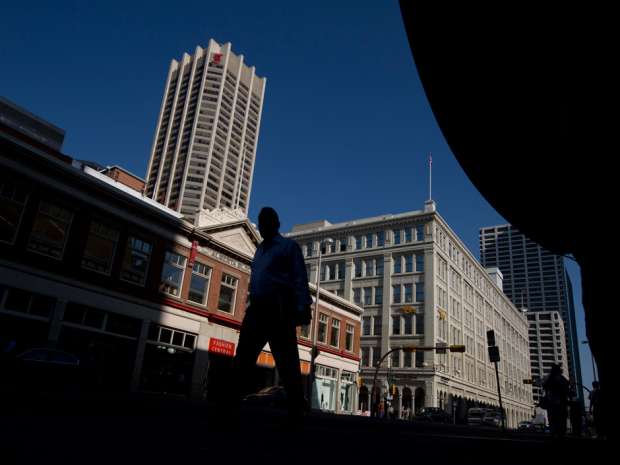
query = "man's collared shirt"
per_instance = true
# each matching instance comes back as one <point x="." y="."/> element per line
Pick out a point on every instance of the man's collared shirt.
<point x="279" y="266"/>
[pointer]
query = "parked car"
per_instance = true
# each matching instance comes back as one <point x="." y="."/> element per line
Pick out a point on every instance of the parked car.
<point x="475" y="416"/>
<point x="434" y="414"/>
<point x="526" y="426"/>
<point x="46" y="370"/>
<point x="492" y="418"/>
<point x="273" y="396"/>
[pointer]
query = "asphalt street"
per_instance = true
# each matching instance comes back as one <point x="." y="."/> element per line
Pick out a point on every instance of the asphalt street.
<point x="145" y="431"/>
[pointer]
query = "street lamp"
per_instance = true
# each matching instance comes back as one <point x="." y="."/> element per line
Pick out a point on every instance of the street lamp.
<point x="313" y="353"/>
<point x="593" y="362"/>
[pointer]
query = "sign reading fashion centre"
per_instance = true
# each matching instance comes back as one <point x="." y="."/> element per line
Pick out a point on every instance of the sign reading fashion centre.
<point x="219" y="346"/>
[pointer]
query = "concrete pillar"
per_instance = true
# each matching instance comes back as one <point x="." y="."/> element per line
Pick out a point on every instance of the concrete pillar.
<point x="137" y="365"/>
<point x="387" y="302"/>
<point x="56" y="323"/>
<point x="348" y="280"/>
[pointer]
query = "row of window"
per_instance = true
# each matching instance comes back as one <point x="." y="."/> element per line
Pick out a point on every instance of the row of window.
<point x="372" y="355"/>
<point x="331" y="331"/>
<point x="49" y="234"/>
<point x="371" y="240"/>
<point x="402" y="325"/>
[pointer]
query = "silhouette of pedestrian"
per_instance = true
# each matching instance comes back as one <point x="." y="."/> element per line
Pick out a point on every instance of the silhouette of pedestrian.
<point x="595" y="407"/>
<point x="575" y="412"/>
<point x="279" y="301"/>
<point x="556" y="400"/>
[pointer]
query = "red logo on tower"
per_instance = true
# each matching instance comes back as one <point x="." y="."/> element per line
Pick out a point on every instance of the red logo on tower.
<point x="217" y="58"/>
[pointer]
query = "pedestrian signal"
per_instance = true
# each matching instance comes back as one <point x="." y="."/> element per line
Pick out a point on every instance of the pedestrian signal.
<point x="490" y="337"/>
<point x="409" y="349"/>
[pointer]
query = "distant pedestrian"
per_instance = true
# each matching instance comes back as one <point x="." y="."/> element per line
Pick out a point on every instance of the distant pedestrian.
<point x="556" y="400"/>
<point x="576" y="414"/>
<point x="595" y="408"/>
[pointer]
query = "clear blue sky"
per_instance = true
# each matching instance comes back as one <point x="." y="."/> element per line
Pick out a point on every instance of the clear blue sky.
<point x="346" y="127"/>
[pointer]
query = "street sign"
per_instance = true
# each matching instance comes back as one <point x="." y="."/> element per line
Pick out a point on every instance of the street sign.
<point x="457" y="348"/>
<point x="490" y="337"/>
<point x="494" y="354"/>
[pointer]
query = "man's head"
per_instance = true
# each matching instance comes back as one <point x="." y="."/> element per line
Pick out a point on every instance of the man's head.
<point x="268" y="222"/>
<point x="595" y="384"/>
<point x="556" y="369"/>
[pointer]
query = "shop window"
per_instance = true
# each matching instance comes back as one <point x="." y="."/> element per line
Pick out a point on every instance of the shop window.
<point x="12" y="202"/>
<point x="228" y="290"/>
<point x="21" y="301"/>
<point x="136" y="261"/>
<point x="172" y="274"/>
<point x="50" y="230"/>
<point x="100" y="248"/>
<point x="199" y="285"/>
<point x="124" y="325"/>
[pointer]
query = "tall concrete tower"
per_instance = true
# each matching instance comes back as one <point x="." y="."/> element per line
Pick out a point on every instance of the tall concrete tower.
<point x="205" y="143"/>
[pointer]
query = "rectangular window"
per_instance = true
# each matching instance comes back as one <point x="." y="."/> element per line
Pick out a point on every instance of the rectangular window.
<point x="358" y="242"/>
<point x="357" y="295"/>
<point x="304" y="331"/>
<point x="309" y="247"/>
<point x="343" y="245"/>
<point x="419" y="324"/>
<point x="12" y="202"/>
<point x="380" y="239"/>
<point x="365" y="356"/>
<point x="369" y="241"/>
<point x="366" y="325"/>
<point x="396" y="234"/>
<point x="322" y="336"/>
<point x="348" y="342"/>
<point x="199" y="284"/>
<point x="334" y="337"/>
<point x="408" y="329"/>
<point x="377" y="325"/>
<point x="50" y="229"/>
<point x="419" y="292"/>
<point x="409" y="263"/>
<point x="408" y="293"/>
<point x="396" y="325"/>
<point x="397" y="264"/>
<point x="378" y="296"/>
<point x="407" y="360"/>
<point x="419" y="232"/>
<point x="419" y="359"/>
<point x="172" y="274"/>
<point x="376" y="356"/>
<point x="419" y="263"/>
<point x="368" y="296"/>
<point x="100" y="248"/>
<point x="409" y="235"/>
<point x="370" y="267"/>
<point x="358" y="267"/>
<point x="379" y="265"/>
<point x="136" y="261"/>
<point x="396" y="359"/>
<point x="228" y="291"/>
<point x="396" y="294"/>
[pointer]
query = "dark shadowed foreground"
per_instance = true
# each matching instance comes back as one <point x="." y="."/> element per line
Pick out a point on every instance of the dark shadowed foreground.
<point x="179" y="432"/>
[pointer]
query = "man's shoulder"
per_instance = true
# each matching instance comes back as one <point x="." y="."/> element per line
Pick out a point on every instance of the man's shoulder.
<point x="286" y="242"/>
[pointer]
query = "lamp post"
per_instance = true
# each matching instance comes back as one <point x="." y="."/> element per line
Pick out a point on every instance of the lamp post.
<point x="593" y="362"/>
<point x="314" y="351"/>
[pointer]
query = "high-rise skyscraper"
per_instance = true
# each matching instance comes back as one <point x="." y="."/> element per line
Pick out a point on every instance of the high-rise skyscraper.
<point x="534" y="278"/>
<point x="205" y="143"/>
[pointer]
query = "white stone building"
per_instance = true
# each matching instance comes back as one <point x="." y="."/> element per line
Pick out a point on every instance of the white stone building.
<point x="390" y="264"/>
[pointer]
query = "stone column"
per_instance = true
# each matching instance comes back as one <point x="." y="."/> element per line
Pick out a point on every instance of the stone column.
<point x="348" y="280"/>
<point x="387" y="302"/>
<point x="137" y="365"/>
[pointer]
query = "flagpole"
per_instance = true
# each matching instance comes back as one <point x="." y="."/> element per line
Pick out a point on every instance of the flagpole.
<point x="430" y="176"/>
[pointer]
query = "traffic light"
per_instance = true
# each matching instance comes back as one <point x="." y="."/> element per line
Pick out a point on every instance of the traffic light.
<point x="490" y="337"/>
<point x="457" y="348"/>
<point x="494" y="354"/>
<point x="409" y="349"/>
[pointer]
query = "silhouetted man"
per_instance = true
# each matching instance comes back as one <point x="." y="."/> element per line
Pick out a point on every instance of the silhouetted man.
<point x="279" y="301"/>
<point x="556" y="392"/>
